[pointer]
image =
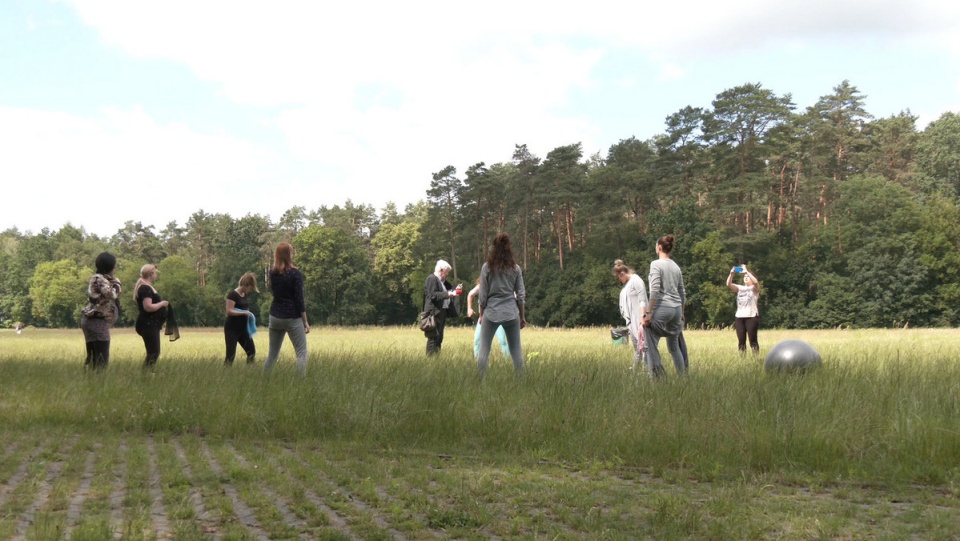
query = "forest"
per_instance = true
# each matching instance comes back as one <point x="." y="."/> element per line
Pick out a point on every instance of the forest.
<point x="847" y="220"/>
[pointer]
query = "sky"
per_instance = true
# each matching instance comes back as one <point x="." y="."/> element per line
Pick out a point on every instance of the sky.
<point x="126" y="110"/>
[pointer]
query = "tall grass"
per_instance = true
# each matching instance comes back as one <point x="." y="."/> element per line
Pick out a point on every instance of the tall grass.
<point x="884" y="407"/>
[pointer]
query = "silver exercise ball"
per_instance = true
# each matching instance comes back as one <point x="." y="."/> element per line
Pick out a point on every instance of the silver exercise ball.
<point x="792" y="356"/>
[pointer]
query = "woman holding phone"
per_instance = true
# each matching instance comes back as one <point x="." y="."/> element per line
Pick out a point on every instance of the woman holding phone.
<point x="748" y="315"/>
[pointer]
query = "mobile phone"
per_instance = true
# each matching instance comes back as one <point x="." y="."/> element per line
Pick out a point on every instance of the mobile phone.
<point x="738" y="269"/>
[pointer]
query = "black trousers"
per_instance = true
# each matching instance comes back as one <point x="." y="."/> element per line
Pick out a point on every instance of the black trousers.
<point x="747" y="327"/>
<point x="98" y="354"/>
<point x="151" y="342"/>
<point x="435" y="338"/>
<point x="234" y="337"/>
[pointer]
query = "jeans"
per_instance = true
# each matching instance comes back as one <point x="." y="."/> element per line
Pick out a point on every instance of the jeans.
<point x="298" y="336"/>
<point x="666" y="322"/>
<point x="512" y="330"/>
<point x="501" y="337"/>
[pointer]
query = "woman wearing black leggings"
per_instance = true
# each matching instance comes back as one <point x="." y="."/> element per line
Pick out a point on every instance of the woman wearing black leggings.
<point x="748" y="316"/>
<point x="151" y="312"/>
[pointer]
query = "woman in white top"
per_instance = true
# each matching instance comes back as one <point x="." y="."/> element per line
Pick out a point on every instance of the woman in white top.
<point x="748" y="316"/>
<point x="633" y="303"/>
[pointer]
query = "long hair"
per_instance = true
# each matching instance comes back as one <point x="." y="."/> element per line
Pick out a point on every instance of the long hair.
<point x="145" y="272"/>
<point x="501" y="254"/>
<point x="282" y="258"/>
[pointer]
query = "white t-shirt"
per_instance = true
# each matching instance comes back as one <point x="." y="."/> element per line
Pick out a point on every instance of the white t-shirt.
<point x="746" y="301"/>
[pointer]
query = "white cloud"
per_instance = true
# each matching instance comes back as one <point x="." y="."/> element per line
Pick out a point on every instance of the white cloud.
<point x="373" y="97"/>
<point x="87" y="171"/>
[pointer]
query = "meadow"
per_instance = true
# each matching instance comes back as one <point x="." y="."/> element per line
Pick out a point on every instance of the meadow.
<point x="380" y="442"/>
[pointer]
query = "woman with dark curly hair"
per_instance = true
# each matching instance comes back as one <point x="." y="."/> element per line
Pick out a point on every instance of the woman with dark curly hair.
<point x="501" y="302"/>
<point x="101" y="311"/>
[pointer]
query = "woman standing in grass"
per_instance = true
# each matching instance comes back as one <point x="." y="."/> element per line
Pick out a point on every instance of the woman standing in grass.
<point x="288" y="312"/>
<point x="633" y="304"/>
<point x="151" y="312"/>
<point x="236" y="328"/>
<point x="664" y="315"/>
<point x="501" y="301"/>
<point x="101" y="312"/>
<point x="748" y="315"/>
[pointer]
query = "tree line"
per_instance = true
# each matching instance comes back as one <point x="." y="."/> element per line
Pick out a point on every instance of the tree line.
<point x="846" y="219"/>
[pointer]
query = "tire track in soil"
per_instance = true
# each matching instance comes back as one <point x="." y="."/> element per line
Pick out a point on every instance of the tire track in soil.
<point x="18" y="476"/>
<point x="243" y="512"/>
<point x="11" y="448"/>
<point x="289" y="516"/>
<point x="207" y="524"/>
<point x="119" y="492"/>
<point x="158" y="512"/>
<point x="42" y="495"/>
<point x="75" y="507"/>
<point x="338" y="522"/>
<point x="355" y="500"/>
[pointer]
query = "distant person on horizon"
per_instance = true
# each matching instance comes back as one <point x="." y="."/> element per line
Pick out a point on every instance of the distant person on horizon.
<point x="151" y="312"/>
<point x="501" y="301"/>
<point x="236" y="328"/>
<point x="747" y="318"/>
<point x="100" y="313"/>
<point x="288" y="311"/>
<point x="664" y="316"/>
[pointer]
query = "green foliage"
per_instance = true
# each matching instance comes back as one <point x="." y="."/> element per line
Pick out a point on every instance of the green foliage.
<point x="846" y="219"/>
<point x="337" y="270"/>
<point x="58" y="292"/>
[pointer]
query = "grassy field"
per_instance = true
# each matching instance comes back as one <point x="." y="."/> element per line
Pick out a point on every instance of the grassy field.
<point x="379" y="442"/>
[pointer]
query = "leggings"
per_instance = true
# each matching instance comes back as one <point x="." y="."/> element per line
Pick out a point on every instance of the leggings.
<point x="98" y="354"/>
<point x="151" y="342"/>
<point x="487" y="330"/>
<point x="747" y="326"/>
<point x="234" y="337"/>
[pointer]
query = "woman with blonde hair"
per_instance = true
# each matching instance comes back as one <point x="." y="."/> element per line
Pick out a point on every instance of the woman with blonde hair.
<point x="633" y="304"/>
<point x="748" y="315"/>
<point x="288" y="312"/>
<point x="151" y="312"/>
<point x="236" y="328"/>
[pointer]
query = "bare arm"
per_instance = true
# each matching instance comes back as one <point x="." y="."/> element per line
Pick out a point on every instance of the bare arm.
<point x="470" y="296"/>
<point x="753" y="279"/>
<point x="730" y="283"/>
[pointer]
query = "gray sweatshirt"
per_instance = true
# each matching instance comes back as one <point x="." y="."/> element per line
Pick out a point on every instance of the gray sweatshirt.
<point x="666" y="284"/>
